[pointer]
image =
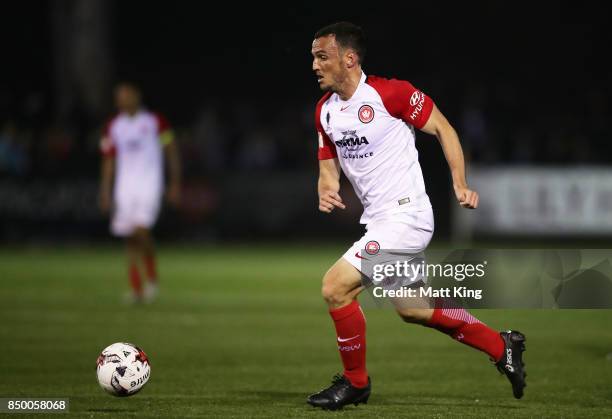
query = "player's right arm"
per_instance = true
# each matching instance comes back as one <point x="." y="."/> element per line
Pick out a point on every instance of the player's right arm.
<point x="329" y="185"/>
<point x="329" y="166"/>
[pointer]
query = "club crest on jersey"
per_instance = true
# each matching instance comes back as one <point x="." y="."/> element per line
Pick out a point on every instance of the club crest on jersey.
<point x="366" y="114"/>
<point x="372" y="247"/>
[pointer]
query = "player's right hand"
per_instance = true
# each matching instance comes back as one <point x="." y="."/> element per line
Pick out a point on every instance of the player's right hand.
<point x="328" y="200"/>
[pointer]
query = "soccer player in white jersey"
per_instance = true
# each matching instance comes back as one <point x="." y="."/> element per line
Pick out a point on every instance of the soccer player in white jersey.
<point x="366" y="129"/>
<point x="133" y="148"/>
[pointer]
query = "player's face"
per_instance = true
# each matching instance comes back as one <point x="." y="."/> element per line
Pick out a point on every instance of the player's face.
<point x="328" y="63"/>
<point x="127" y="98"/>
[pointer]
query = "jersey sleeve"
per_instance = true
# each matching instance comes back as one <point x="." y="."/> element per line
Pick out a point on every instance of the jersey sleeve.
<point x="107" y="144"/>
<point x="403" y="101"/>
<point x="164" y="130"/>
<point x="327" y="149"/>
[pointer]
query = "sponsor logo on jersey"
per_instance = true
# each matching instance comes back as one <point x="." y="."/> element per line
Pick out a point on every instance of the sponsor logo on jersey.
<point x="351" y="141"/>
<point x="133" y="144"/>
<point x="350" y="145"/>
<point x="416" y="101"/>
<point x="366" y="114"/>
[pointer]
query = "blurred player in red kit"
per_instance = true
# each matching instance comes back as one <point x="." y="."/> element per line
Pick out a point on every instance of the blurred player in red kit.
<point x="366" y="129"/>
<point x="133" y="147"/>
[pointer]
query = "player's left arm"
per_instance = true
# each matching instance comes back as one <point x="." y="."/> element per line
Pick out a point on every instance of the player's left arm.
<point x="438" y="125"/>
<point x="173" y="161"/>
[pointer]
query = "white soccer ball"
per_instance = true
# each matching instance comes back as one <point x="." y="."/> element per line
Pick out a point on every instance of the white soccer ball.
<point x="123" y="369"/>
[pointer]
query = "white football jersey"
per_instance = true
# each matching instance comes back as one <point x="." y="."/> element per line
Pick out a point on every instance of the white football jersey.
<point x="136" y="143"/>
<point x="372" y="135"/>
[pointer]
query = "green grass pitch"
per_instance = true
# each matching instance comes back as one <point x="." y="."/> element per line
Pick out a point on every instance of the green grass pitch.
<point x="241" y="331"/>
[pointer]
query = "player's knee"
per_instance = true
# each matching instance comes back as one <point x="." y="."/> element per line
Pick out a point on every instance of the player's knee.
<point x="414" y="315"/>
<point x="332" y="290"/>
<point x="131" y="241"/>
<point x="141" y="234"/>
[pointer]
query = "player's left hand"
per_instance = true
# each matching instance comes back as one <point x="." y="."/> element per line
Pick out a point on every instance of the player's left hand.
<point x="174" y="194"/>
<point x="467" y="198"/>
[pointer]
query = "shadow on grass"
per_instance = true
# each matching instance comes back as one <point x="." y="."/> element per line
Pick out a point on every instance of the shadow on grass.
<point x="299" y="399"/>
<point x="111" y="410"/>
<point x="275" y="394"/>
<point x="383" y="400"/>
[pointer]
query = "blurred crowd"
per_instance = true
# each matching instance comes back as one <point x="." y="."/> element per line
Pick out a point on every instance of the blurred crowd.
<point x="218" y="139"/>
<point x="496" y="127"/>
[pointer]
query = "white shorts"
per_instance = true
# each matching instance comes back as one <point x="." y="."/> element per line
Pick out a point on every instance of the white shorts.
<point x="410" y="232"/>
<point x="134" y="210"/>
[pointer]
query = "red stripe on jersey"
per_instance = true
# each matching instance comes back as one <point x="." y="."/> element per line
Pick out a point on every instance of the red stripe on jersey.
<point x="327" y="149"/>
<point x="107" y="144"/>
<point x="162" y="123"/>
<point x="402" y="100"/>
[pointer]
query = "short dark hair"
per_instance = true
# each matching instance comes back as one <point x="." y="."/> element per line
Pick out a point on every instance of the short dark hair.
<point x="348" y="35"/>
<point x="130" y="84"/>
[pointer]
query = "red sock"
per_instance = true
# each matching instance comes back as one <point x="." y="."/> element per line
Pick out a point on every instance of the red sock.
<point x="351" y="328"/>
<point x="151" y="268"/>
<point x="135" y="279"/>
<point x="465" y="328"/>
